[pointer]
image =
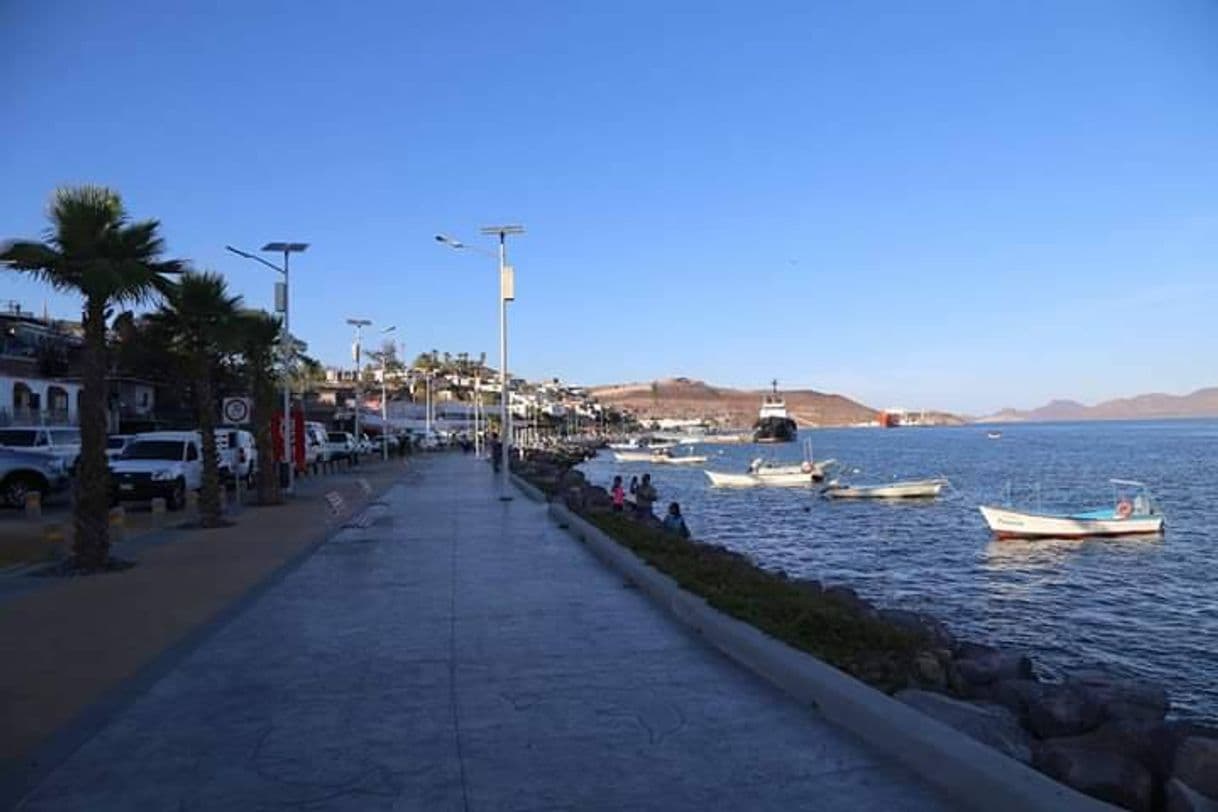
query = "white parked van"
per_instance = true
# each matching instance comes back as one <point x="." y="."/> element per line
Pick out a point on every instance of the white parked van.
<point x="237" y="454"/>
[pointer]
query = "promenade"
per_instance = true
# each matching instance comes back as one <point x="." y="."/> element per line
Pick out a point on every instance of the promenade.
<point x="462" y="653"/>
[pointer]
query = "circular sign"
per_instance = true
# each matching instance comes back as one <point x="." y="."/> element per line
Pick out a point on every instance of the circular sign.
<point x="236" y="410"/>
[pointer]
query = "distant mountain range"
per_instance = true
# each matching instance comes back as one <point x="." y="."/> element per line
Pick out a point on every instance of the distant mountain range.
<point x="1202" y="403"/>
<point x="687" y="399"/>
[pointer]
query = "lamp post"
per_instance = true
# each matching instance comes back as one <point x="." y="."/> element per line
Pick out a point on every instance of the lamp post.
<point x="385" y="401"/>
<point x="359" y="325"/>
<point x="507" y="293"/>
<point x="281" y="305"/>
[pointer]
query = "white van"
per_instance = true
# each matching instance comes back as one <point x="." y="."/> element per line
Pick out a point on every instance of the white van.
<point x="317" y="450"/>
<point x="237" y="454"/>
<point x="159" y="463"/>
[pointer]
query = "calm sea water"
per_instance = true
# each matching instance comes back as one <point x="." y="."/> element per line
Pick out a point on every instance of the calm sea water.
<point x="1144" y="607"/>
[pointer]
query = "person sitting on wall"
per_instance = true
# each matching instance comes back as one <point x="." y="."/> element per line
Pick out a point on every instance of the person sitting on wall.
<point x="674" y="522"/>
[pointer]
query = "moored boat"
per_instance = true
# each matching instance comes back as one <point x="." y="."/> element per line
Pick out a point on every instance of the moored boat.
<point x="1127" y="517"/>
<point x="773" y="424"/>
<point x="911" y="489"/>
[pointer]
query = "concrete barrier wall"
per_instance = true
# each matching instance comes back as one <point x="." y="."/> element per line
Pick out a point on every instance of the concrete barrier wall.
<point x="969" y="771"/>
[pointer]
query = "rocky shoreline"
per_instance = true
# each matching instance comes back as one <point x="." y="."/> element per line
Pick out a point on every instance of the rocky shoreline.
<point x="1102" y="734"/>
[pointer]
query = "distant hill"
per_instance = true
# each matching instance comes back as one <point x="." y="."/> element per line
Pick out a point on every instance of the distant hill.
<point x="1202" y="403"/>
<point x="687" y="399"/>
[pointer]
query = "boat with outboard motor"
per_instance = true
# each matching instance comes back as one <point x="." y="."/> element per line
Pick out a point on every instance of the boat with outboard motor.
<point x="1133" y="513"/>
<point x="909" y="489"/>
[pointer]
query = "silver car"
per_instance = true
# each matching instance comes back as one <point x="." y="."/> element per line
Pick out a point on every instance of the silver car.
<point x="23" y="472"/>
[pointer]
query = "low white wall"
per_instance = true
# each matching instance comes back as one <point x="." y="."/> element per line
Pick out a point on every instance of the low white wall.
<point x="969" y="771"/>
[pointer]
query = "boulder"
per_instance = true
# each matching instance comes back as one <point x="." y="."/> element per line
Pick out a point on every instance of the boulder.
<point x="572" y="479"/>
<point x="968" y="650"/>
<point x="810" y="585"/>
<point x="919" y="623"/>
<point x="1180" y="797"/>
<point x="989" y="724"/>
<point x="1108" y="776"/>
<point x="989" y="667"/>
<point x="596" y="500"/>
<point x="847" y="597"/>
<point x="928" y="671"/>
<point x="1196" y="764"/>
<point x="1121" y="698"/>
<point x="1061" y="710"/>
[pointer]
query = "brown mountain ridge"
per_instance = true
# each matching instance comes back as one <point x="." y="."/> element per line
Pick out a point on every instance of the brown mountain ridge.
<point x="1201" y="403"/>
<point x="688" y="399"/>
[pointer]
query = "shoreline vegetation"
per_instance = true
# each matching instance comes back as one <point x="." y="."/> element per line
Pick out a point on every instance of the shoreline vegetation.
<point x="1102" y="734"/>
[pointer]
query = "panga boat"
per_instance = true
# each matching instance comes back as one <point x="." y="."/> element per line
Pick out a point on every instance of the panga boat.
<point x="994" y="435"/>
<point x="773" y="474"/>
<point x="912" y="489"/>
<point x="678" y="459"/>
<point x="1129" y="516"/>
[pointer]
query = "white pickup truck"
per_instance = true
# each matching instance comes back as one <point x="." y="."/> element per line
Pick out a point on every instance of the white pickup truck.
<point x="159" y="463"/>
<point x="60" y="442"/>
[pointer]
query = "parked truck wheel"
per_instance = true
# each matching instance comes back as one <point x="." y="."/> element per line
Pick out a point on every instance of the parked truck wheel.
<point x="16" y="486"/>
<point x="177" y="496"/>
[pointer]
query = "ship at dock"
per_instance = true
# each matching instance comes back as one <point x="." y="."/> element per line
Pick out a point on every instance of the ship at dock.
<point x="773" y="424"/>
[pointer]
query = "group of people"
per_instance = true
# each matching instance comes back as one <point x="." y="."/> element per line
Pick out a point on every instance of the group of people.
<point x="645" y="495"/>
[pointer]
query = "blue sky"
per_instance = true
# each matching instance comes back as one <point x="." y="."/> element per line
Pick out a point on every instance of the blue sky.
<point x="961" y="205"/>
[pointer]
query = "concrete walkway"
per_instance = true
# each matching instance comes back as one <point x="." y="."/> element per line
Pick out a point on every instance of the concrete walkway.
<point x="462" y="653"/>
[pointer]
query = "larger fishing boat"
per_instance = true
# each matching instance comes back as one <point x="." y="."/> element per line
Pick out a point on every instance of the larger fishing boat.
<point x="1133" y="513"/>
<point x="773" y="424"/>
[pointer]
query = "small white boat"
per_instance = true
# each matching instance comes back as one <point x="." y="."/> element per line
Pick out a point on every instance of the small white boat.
<point x="1128" y="517"/>
<point x="643" y="444"/>
<point x="763" y="473"/>
<point x="678" y="459"/>
<point x="632" y="456"/>
<point x="994" y="435"/>
<point x="910" y="489"/>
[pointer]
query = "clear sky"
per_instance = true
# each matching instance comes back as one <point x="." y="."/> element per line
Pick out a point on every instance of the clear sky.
<point x="961" y="205"/>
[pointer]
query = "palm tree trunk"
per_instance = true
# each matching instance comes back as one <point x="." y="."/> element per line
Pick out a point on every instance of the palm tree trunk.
<point x="209" y="495"/>
<point x="91" y="514"/>
<point x="264" y="414"/>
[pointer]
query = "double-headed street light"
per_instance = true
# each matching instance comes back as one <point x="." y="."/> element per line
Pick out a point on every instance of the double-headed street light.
<point x="507" y="293"/>
<point x="285" y="340"/>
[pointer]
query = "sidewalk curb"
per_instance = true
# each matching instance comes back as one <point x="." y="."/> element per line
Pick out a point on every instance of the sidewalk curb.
<point x="20" y="777"/>
<point x="965" y="769"/>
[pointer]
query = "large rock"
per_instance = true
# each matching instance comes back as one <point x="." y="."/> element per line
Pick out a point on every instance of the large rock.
<point x="919" y="623"/>
<point x="929" y="671"/>
<point x="847" y="597"/>
<point x="596" y="500"/>
<point x="1108" y="776"/>
<point x="1123" y="699"/>
<point x="989" y="724"/>
<point x="572" y="479"/>
<point x="988" y="667"/>
<point x="1196" y="764"/>
<point x="1180" y="797"/>
<point x="1049" y="710"/>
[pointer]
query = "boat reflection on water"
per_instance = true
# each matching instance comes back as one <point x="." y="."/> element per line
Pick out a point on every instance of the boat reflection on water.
<point x="1031" y="554"/>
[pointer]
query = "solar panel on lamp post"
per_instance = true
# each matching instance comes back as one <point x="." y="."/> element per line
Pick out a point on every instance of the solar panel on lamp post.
<point x="507" y="293"/>
<point x="285" y="339"/>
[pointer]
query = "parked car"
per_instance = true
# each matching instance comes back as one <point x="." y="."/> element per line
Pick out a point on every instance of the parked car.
<point x="363" y="445"/>
<point x="341" y="445"/>
<point x="237" y="453"/>
<point x="317" y="449"/>
<point x="115" y="444"/>
<point x="159" y="463"/>
<point x="62" y="442"/>
<point x="23" y="472"/>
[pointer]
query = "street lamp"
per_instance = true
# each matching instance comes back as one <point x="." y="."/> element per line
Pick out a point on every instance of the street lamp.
<point x="385" y="401"/>
<point x="359" y="325"/>
<point x="507" y="293"/>
<point x="285" y="340"/>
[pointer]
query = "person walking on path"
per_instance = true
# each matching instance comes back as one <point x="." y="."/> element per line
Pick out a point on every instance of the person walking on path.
<point x="496" y="451"/>
<point x="619" y="494"/>
<point x="674" y="522"/>
<point x="645" y="496"/>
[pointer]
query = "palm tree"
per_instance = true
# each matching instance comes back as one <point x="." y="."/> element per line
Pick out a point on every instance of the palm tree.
<point x="199" y="312"/>
<point x="92" y="248"/>
<point x="257" y="334"/>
